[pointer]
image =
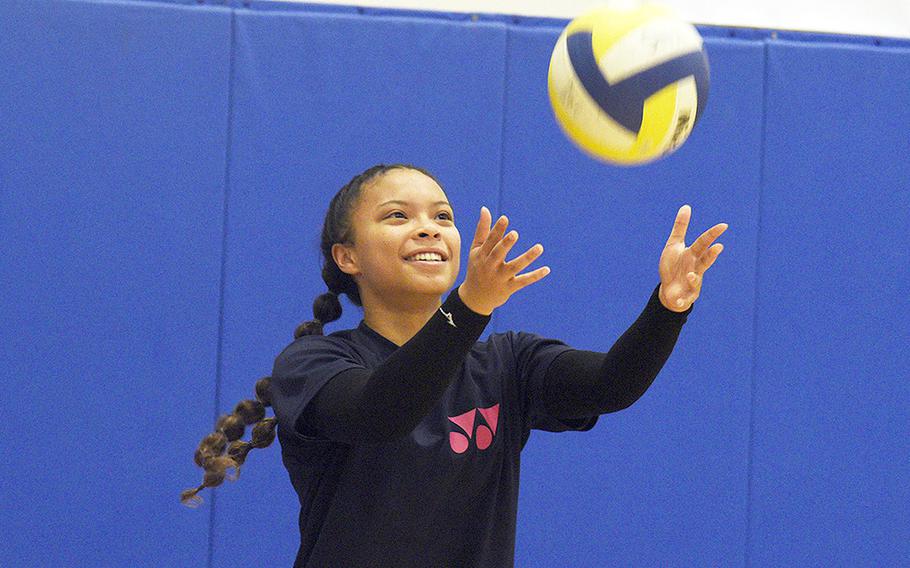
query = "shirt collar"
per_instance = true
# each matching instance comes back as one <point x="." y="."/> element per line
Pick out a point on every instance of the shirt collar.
<point x="373" y="336"/>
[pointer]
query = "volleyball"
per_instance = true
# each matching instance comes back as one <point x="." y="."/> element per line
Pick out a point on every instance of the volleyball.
<point x="628" y="81"/>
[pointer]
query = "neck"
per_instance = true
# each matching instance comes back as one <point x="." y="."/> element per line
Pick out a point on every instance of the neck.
<point x="399" y="321"/>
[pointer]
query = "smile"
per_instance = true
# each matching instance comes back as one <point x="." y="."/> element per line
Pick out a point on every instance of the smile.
<point x="425" y="257"/>
<point x="425" y="261"/>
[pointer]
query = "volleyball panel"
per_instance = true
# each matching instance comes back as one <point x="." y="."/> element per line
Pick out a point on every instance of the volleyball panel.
<point x="654" y="42"/>
<point x="616" y="20"/>
<point x="578" y="114"/>
<point x="684" y="116"/>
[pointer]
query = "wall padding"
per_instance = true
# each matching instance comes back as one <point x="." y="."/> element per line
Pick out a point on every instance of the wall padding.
<point x="831" y="478"/>
<point x="112" y="164"/>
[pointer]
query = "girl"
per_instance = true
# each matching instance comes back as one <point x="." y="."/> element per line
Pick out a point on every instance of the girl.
<point x="402" y="437"/>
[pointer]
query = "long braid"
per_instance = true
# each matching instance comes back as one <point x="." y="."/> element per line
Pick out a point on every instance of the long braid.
<point x="223" y="449"/>
<point x="253" y="412"/>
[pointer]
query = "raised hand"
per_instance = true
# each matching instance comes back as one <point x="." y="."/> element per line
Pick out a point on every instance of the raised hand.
<point x="490" y="280"/>
<point x="682" y="269"/>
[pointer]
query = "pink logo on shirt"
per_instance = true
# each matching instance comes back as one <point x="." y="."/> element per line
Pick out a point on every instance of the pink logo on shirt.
<point x="483" y="435"/>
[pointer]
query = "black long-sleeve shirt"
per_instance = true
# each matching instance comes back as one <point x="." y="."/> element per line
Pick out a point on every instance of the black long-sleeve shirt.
<point x="410" y="455"/>
<point x="389" y="401"/>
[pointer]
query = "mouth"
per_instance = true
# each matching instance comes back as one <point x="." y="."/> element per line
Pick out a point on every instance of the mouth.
<point x="426" y="262"/>
<point x="426" y="258"/>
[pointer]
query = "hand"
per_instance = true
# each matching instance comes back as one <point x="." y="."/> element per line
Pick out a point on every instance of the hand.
<point x="490" y="280"/>
<point x="682" y="269"/>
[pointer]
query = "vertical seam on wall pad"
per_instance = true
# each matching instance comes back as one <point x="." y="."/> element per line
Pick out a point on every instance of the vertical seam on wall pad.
<point x="502" y="136"/>
<point x="224" y="239"/>
<point x="755" y="307"/>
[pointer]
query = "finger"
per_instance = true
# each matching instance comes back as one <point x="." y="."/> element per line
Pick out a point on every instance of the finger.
<point x="483" y="228"/>
<point x="519" y="263"/>
<point x="495" y="236"/>
<point x="678" y="234"/>
<point x="702" y="243"/>
<point x="708" y="259"/>
<point x="523" y="280"/>
<point x="502" y="248"/>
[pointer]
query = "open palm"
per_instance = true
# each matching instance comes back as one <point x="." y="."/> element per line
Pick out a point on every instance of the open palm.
<point x="682" y="268"/>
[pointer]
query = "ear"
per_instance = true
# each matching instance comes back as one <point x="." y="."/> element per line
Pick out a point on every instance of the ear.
<point x="345" y="258"/>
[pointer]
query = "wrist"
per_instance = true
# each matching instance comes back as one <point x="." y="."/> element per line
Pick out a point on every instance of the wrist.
<point x="665" y="302"/>
<point x="471" y="303"/>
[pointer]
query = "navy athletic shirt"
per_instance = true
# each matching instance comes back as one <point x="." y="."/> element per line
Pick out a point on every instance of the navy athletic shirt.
<point x="409" y="456"/>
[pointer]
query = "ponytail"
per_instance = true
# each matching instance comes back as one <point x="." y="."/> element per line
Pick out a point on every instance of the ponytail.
<point x="326" y="309"/>
<point x="223" y="449"/>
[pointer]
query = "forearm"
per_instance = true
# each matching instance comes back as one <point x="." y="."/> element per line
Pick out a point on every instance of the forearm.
<point x="587" y="383"/>
<point x="388" y="402"/>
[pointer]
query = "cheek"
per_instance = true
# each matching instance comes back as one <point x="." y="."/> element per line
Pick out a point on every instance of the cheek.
<point x="456" y="250"/>
<point x="388" y="244"/>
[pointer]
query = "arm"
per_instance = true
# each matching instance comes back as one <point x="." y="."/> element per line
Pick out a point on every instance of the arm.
<point x="587" y="383"/>
<point x="360" y="405"/>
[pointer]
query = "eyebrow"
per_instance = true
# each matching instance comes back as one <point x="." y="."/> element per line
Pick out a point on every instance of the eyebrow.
<point x="399" y="202"/>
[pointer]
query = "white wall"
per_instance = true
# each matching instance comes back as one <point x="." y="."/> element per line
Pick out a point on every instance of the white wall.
<point x="887" y="18"/>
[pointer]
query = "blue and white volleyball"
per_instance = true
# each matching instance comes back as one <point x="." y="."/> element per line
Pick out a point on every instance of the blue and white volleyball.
<point x="628" y="81"/>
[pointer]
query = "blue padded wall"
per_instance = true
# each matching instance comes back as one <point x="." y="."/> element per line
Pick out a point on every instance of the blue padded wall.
<point x="831" y="473"/>
<point x="317" y="99"/>
<point x="664" y="482"/>
<point x="164" y="172"/>
<point x="112" y="161"/>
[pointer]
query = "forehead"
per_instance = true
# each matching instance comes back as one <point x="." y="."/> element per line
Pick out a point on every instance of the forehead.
<point x="403" y="185"/>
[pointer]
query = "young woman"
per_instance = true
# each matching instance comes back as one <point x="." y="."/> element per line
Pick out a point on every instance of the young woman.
<point x="402" y="437"/>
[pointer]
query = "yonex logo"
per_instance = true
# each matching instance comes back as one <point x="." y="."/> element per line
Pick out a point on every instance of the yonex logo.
<point x="483" y="435"/>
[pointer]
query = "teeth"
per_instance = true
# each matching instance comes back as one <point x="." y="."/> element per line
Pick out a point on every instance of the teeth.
<point x="427" y="256"/>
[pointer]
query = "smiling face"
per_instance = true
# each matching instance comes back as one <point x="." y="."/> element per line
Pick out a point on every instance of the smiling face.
<point x="398" y="213"/>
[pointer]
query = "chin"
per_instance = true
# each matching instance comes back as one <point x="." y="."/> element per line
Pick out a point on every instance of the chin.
<point x="437" y="287"/>
<point x="436" y="290"/>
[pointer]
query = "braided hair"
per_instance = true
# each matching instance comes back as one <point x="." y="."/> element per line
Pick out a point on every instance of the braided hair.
<point x="211" y="455"/>
<point x="223" y="449"/>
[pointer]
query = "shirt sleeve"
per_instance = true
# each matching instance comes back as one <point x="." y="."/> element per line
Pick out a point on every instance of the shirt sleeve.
<point x="302" y="369"/>
<point x="584" y="383"/>
<point x="533" y="355"/>
<point x="379" y="405"/>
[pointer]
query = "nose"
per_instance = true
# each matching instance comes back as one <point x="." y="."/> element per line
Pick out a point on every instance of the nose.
<point x="429" y="229"/>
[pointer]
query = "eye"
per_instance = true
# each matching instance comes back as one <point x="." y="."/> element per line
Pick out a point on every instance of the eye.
<point x="444" y="213"/>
